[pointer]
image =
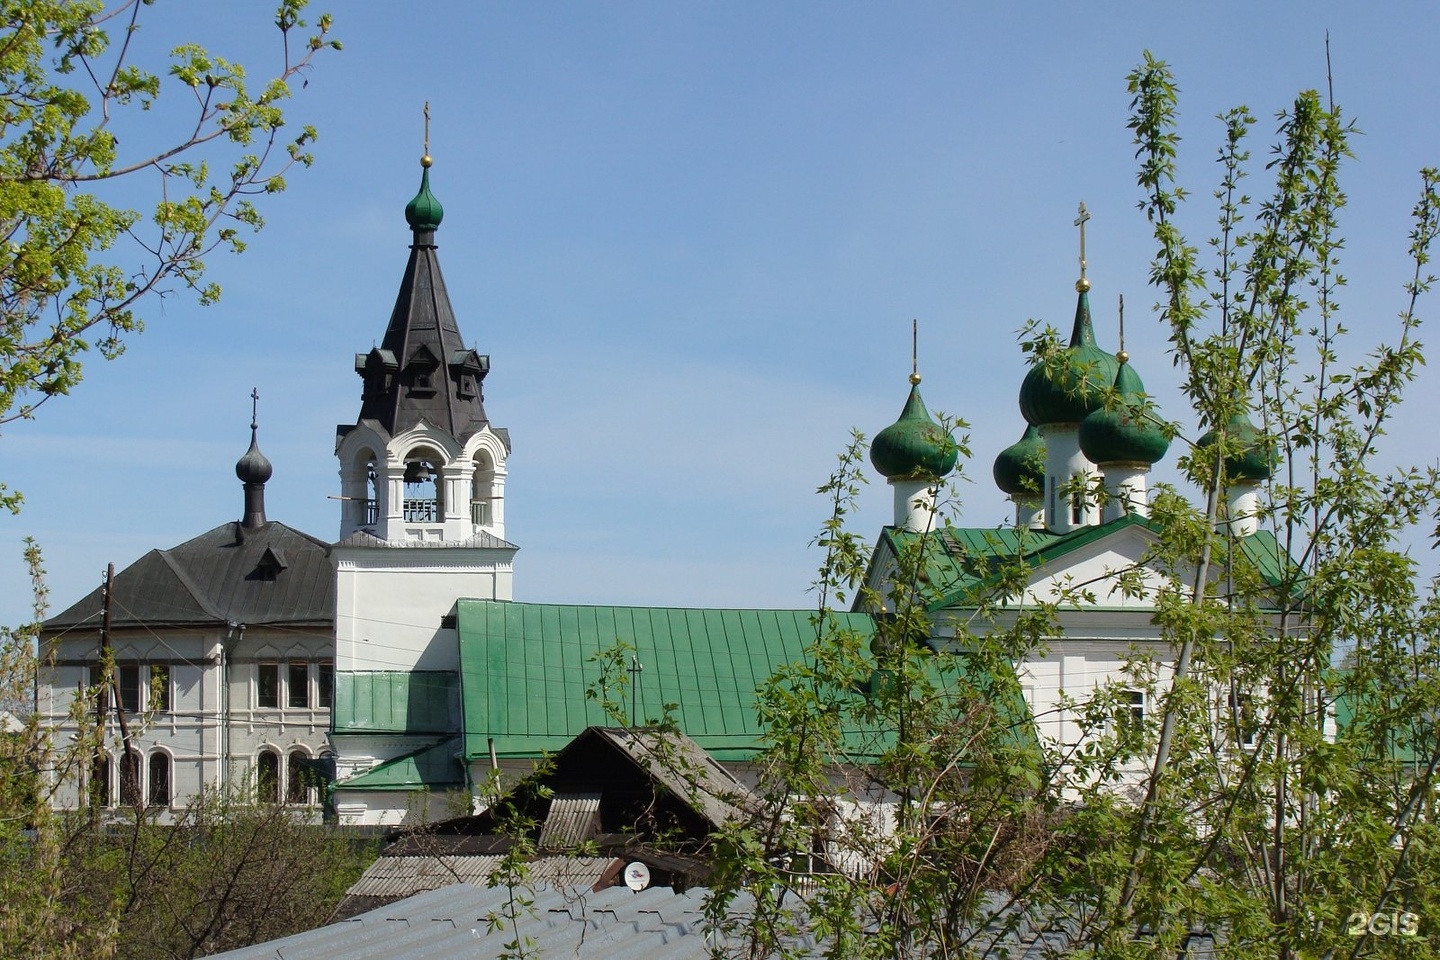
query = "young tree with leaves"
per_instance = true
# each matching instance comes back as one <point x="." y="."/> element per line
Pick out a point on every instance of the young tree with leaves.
<point x="76" y="269"/>
<point x="76" y="272"/>
<point x="1281" y="801"/>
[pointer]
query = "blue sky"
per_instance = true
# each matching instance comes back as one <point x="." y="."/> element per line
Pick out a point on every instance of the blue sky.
<point x="692" y="237"/>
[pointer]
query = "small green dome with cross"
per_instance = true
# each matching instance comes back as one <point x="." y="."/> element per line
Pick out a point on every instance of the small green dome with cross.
<point x="914" y="447"/>
<point x="424" y="211"/>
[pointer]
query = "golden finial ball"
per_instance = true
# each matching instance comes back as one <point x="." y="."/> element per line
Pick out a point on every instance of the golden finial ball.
<point x="1082" y="285"/>
<point x="426" y="160"/>
<point x="1123" y="356"/>
<point x="914" y="378"/>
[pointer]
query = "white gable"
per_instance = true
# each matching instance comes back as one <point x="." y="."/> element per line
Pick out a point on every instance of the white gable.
<point x="1107" y="571"/>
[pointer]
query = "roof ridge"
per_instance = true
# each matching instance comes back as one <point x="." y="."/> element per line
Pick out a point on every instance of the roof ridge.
<point x="205" y="602"/>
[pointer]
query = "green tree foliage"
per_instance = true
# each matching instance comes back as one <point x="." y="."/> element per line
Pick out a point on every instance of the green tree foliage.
<point x="225" y="874"/>
<point x="76" y="270"/>
<point x="221" y="873"/>
<point x="1282" y="794"/>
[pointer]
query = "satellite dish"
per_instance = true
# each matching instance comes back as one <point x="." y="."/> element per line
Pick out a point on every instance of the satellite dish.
<point x="637" y="875"/>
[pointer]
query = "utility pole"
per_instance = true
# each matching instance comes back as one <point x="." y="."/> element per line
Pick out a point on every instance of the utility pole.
<point x="107" y="659"/>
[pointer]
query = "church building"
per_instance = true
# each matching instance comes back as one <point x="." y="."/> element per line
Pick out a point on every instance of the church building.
<point x="396" y="667"/>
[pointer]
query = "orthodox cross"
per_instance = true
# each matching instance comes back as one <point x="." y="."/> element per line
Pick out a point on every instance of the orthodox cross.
<point x="1080" y="222"/>
<point x="254" y="405"/>
<point x="427" y="129"/>
<point x="634" y="670"/>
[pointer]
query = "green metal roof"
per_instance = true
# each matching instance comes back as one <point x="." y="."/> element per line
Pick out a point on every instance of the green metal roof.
<point x="525" y="669"/>
<point x="397" y="701"/>
<point x="435" y="767"/>
<point x="961" y="562"/>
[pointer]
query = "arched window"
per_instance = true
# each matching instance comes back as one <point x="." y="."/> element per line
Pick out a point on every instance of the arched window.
<point x="482" y="490"/>
<point x="159" y="779"/>
<point x="267" y="777"/>
<point x="298" y="778"/>
<point x="370" y="506"/>
<point x="130" y="795"/>
<point x="99" y="785"/>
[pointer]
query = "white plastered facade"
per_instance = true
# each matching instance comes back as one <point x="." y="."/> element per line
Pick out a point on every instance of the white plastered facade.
<point x="399" y="571"/>
<point x="214" y="729"/>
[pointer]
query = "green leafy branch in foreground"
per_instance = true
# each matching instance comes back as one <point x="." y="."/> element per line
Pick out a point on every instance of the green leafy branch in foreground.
<point x="75" y="268"/>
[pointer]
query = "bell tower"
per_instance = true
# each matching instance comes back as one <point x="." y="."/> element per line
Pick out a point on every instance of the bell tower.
<point x="422" y="477"/>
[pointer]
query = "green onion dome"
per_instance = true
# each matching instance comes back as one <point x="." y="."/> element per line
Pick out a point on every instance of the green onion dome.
<point x="913" y="447"/>
<point x="1121" y="433"/>
<point x="424" y="211"/>
<point x="1252" y="459"/>
<point x="1020" y="469"/>
<point x="1072" y="386"/>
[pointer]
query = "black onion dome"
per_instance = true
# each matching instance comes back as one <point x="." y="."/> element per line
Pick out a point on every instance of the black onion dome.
<point x="254" y="466"/>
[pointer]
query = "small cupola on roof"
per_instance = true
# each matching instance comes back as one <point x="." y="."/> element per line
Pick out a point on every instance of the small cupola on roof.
<point x="914" y="446"/>
<point x="914" y="454"/>
<point x="1249" y="462"/>
<point x="424" y="211"/>
<point x="1069" y="387"/>
<point x="254" y="470"/>
<point x="1019" y="472"/>
<point x="1125" y="441"/>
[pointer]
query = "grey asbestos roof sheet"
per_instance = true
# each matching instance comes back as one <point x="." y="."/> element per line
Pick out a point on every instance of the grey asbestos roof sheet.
<point x="581" y="924"/>
<point x="218" y="577"/>
<point x="407" y="876"/>
<point x="454" y="921"/>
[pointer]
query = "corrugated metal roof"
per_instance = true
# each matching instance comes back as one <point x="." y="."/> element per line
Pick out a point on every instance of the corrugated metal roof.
<point x="216" y="578"/>
<point x="615" y="924"/>
<point x="453" y="921"/>
<point x="395" y="877"/>
<point x="573" y="819"/>
<point x="525" y="669"/>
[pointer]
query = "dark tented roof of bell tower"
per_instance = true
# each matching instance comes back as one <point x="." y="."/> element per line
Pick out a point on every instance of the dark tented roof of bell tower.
<point x="422" y="370"/>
